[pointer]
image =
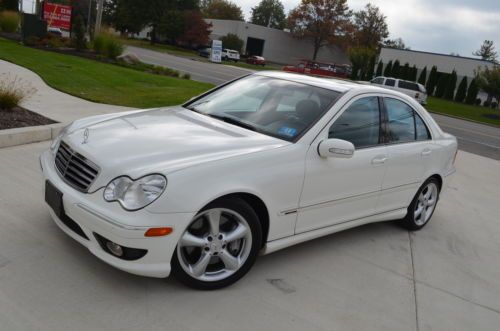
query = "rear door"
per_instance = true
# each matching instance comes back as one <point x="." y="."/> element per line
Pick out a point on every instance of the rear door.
<point x="409" y="149"/>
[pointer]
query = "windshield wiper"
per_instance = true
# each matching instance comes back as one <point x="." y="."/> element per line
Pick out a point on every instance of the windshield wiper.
<point x="232" y="120"/>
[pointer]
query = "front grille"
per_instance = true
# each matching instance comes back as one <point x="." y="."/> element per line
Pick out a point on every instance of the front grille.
<point x="75" y="169"/>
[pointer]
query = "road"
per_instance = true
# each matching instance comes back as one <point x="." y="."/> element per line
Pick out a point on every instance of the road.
<point x="376" y="277"/>
<point x="474" y="138"/>
<point x="201" y="71"/>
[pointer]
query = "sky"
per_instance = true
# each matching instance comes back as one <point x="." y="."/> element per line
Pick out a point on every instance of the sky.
<point x="442" y="26"/>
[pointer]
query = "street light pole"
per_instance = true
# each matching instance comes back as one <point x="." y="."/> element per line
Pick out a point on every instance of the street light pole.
<point x="89" y="16"/>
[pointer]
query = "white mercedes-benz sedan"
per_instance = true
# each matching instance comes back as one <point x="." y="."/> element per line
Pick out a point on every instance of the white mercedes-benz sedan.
<point x="261" y="163"/>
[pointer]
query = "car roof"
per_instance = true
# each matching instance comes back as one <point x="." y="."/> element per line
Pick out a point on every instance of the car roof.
<point x="334" y="84"/>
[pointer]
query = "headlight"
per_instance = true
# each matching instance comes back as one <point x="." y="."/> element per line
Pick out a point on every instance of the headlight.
<point x="57" y="140"/>
<point x="135" y="194"/>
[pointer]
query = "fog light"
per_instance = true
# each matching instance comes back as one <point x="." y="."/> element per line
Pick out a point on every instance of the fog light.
<point x="115" y="249"/>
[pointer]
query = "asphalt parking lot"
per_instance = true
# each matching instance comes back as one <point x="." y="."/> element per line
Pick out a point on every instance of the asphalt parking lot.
<point x="377" y="277"/>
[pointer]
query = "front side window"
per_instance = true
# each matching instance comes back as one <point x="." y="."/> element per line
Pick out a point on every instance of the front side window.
<point x="404" y="124"/>
<point x="359" y="124"/>
<point x="271" y="106"/>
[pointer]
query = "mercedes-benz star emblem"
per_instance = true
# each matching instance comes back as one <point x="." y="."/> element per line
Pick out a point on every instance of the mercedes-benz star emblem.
<point x="86" y="136"/>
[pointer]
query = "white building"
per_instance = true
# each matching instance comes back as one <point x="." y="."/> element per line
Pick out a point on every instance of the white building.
<point x="273" y="44"/>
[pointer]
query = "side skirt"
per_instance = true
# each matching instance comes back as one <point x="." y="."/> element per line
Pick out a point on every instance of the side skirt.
<point x="276" y="245"/>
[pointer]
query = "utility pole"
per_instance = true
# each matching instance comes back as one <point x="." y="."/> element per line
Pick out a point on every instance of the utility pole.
<point x="98" y="20"/>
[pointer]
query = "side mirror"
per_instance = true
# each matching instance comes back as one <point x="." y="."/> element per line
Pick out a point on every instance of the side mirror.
<point x="336" y="148"/>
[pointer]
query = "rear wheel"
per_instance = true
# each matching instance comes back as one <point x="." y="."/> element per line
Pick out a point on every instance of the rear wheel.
<point x="422" y="206"/>
<point x="219" y="246"/>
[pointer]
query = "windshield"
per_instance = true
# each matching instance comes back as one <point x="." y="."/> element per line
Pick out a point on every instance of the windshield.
<point x="271" y="106"/>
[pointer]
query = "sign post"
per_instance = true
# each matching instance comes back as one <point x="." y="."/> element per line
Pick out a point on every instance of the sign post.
<point x="216" y="55"/>
<point x="57" y="16"/>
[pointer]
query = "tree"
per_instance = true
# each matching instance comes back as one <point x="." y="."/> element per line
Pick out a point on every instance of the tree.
<point x="380" y="68"/>
<point x="413" y="74"/>
<point x="321" y="21"/>
<point x="196" y="30"/>
<point x="405" y="72"/>
<point x="9" y="5"/>
<point x="487" y="51"/>
<point x="451" y="85"/>
<point x="130" y="16"/>
<point x="432" y="81"/>
<point x="396" y="69"/>
<point x="472" y="92"/>
<point x="232" y="41"/>
<point x="395" y="43"/>
<point x="422" y="79"/>
<point x="370" y="27"/>
<point x="270" y="13"/>
<point x="488" y="79"/>
<point x="223" y="10"/>
<point x="78" y="34"/>
<point x="388" y="69"/>
<point x="462" y="90"/>
<point x="363" y="62"/>
<point x="171" y="26"/>
<point x="441" y="85"/>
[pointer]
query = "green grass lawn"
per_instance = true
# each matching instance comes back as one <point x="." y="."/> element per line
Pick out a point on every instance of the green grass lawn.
<point x="470" y="112"/>
<point x="101" y="82"/>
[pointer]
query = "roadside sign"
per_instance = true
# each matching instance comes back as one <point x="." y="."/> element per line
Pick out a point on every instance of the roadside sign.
<point x="216" y="55"/>
<point x="57" y="16"/>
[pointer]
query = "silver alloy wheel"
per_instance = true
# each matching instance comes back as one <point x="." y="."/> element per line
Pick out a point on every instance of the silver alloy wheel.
<point x="426" y="204"/>
<point x="215" y="245"/>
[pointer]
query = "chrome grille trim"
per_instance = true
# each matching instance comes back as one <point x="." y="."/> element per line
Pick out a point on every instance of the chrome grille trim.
<point x="75" y="169"/>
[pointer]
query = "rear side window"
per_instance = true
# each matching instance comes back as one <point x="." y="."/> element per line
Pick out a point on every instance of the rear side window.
<point x="359" y="124"/>
<point x="390" y="82"/>
<point x="408" y="86"/>
<point x="378" y="80"/>
<point x="404" y="124"/>
<point x="422" y="129"/>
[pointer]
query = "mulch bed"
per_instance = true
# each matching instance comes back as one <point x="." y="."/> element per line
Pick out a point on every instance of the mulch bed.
<point x="19" y="118"/>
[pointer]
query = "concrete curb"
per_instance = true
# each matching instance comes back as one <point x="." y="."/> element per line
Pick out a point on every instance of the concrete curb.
<point x="28" y="135"/>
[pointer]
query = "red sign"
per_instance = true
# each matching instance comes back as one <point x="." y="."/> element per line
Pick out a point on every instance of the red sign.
<point x="57" y="16"/>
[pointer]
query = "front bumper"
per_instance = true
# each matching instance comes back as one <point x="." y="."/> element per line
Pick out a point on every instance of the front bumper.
<point x="96" y="216"/>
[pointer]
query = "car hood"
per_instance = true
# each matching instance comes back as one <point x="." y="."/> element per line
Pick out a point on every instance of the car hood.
<point x="160" y="141"/>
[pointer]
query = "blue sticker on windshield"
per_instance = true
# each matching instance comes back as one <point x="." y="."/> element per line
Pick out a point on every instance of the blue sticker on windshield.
<point x="286" y="131"/>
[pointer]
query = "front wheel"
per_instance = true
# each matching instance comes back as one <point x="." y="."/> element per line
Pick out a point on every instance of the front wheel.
<point x="422" y="206"/>
<point x="219" y="246"/>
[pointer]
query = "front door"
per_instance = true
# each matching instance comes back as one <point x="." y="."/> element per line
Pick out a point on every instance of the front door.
<point x="339" y="190"/>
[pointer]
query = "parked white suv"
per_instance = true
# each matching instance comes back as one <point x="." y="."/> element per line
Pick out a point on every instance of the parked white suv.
<point x="230" y="55"/>
<point x="412" y="89"/>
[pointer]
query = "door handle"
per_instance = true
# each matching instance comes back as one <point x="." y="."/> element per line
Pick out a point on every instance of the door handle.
<point x="379" y="160"/>
<point x="426" y="152"/>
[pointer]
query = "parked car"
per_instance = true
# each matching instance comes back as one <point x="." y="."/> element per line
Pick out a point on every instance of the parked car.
<point x="230" y="55"/>
<point x="205" y="52"/>
<point x="257" y="60"/>
<point x="320" y="69"/>
<point x="412" y="89"/>
<point x="267" y="161"/>
<point x="55" y="31"/>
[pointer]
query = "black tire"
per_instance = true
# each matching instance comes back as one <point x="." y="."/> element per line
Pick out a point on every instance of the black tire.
<point x="409" y="222"/>
<point x="246" y="211"/>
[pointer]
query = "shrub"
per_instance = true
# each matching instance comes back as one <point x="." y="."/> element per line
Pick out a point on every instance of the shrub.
<point x="232" y="41"/>
<point x="186" y="76"/>
<point x="477" y="102"/>
<point x="13" y="91"/>
<point x="472" y="92"/>
<point x="451" y="85"/>
<point x="9" y="21"/>
<point x="462" y="90"/>
<point x="108" y="45"/>
<point x="494" y="105"/>
<point x="486" y="103"/>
